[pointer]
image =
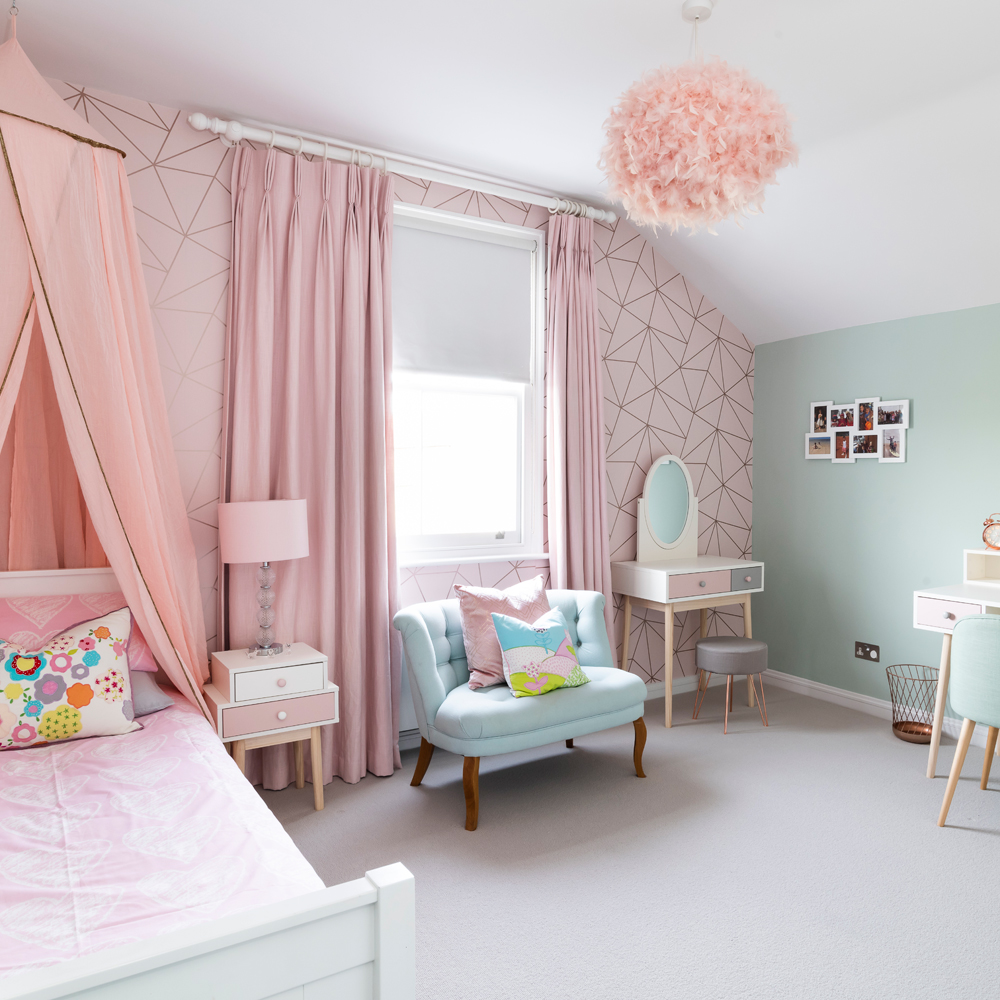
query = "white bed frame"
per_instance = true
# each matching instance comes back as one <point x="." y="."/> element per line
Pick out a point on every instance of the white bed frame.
<point x="353" y="941"/>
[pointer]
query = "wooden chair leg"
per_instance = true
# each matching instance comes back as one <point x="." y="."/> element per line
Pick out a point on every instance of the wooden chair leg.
<point x="991" y="745"/>
<point x="470" y="780"/>
<point x="569" y="744"/>
<point x="956" y="767"/>
<point x="640" y="743"/>
<point x="426" y="752"/>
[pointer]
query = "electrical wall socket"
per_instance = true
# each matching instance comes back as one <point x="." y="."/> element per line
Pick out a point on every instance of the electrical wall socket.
<point x="866" y="651"/>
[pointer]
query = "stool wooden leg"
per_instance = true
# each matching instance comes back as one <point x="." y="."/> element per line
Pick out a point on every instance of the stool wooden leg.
<point x="300" y="764"/>
<point x="729" y="702"/>
<point x="991" y="745"/>
<point x="317" y="765"/>
<point x="760" y="677"/>
<point x="956" y="767"/>
<point x="426" y="752"/>
<point x="760" y="700"/>
<point x="699" y="698"/>
<point x="640" y="742"/>
<point x="470" y="781"/>
<point x="240" y="754"/>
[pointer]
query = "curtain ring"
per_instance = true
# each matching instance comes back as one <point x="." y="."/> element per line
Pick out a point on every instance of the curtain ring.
<point x="302" y="146"/>
<point x="270" y="142"/>
<point x="326" y="152"/>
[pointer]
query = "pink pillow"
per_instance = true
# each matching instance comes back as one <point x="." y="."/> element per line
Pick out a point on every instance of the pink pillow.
<point x="525" y="601"/>
<point x="30" y="622"/>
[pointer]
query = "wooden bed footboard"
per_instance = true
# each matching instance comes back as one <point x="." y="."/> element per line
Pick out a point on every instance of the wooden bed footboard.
<point x="354" y="941"/>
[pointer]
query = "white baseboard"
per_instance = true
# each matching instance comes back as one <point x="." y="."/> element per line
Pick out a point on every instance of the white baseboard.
<point x="879" y="707"/>
<point x="409" y="739"/>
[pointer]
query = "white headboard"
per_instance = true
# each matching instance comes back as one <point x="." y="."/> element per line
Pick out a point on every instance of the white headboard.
<point x="45" y="582"/>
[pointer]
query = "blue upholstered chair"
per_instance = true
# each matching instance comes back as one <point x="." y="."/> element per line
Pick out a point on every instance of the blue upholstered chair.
<point x="974" y="690"/>
<point x="487" y="721"/>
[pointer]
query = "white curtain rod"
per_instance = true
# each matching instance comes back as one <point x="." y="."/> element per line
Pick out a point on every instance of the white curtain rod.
<point x="231" y="132"/>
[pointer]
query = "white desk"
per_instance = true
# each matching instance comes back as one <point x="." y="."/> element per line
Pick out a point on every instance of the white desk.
<point x="937" y="610"/>
<point x="675" y="585"/>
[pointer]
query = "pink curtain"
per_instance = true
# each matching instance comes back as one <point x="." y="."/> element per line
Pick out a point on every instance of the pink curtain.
<point x="309" y="363"/>
<point x="71" y="281"/>
<point x="579" y="548"/>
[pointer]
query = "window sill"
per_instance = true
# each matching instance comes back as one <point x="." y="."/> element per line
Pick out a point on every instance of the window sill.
<point x="406" y="562"/>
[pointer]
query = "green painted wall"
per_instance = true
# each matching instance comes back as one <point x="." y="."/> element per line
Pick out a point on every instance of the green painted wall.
<point x="845" y="546"/>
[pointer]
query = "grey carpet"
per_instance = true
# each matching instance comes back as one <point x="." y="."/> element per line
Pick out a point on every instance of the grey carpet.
<point x="803" y="861"/>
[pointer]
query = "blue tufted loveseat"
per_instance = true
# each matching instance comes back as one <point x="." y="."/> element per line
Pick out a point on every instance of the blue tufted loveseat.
<point x="487" y="721"/>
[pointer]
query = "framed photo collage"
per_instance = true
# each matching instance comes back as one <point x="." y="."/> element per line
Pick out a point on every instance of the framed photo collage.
<point x="867" y="428"/>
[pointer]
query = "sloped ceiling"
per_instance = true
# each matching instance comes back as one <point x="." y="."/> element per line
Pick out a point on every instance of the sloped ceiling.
<point x="892" y="211"/>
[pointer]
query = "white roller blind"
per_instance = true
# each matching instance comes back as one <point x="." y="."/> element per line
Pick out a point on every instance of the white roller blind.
<point x="460" y="306"/>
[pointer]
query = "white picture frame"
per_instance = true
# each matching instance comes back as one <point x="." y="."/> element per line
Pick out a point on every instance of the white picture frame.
<point x="887" y="454"/>
<point x="838" y="411"/>
<point x="814" y="442"/>
<point x="819" y="417"/>
<point x="893" y="413"/>
<point x="869" y="441"/>
<point x="845" y="434"/>
<point x="859" y="413"/>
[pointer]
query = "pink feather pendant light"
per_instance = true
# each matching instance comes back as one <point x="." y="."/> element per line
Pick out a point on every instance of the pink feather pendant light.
<point x="694" y="145"/>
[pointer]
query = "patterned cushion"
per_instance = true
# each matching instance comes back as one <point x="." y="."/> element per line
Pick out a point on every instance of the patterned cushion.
<point x="524" y="601"/>
<point x="32" y="621"/>
<point x="540" y="657"/>
<point x="75" y="685"/>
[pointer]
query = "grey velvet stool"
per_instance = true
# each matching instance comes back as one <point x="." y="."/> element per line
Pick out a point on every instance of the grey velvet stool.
<point x="730" y="654"/>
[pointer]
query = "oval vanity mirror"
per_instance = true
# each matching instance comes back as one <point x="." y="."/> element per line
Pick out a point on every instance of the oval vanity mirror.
<point x="668" y="512"/>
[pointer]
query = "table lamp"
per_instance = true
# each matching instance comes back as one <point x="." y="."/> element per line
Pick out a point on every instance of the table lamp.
<point x="263" y="531"/>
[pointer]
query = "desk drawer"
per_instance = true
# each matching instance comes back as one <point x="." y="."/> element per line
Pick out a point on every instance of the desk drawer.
<point x="272" y="682"/>
<point x="938" y="613"/>
<point x="700" y="584"/>
<point x="747" y="579"/>
<point x="263" y="717"/>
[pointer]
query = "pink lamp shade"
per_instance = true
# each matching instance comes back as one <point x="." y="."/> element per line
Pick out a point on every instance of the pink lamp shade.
<point x="259" y="531"/>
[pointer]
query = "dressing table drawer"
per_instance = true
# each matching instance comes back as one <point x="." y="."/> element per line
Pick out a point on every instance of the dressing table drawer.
<point x="751" y="578"/>
<point x="937" y="613"/>
<point x="697" y="584"/>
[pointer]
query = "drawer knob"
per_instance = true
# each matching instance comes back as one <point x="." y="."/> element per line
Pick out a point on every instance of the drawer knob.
<point x="282" y="716"/>
<point x="948" y="616"/>
<point x="701" y="583"/>
<point x="282" y="682"/>
<point x="748" y="579"/>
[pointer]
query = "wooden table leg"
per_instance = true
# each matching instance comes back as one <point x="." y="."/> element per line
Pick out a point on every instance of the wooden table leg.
<point x="627" y="629"/>
<point x="748" y="632"/>
<point x="942" y="697"/>
<point x="703" y="623"/>
<point x="240" y="754"/>
<point x="668" y="663"/>
<point x="300" y="765"/>
<point x="317" y="765"/>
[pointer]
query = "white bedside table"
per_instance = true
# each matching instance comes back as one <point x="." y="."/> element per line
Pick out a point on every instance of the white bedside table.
<point x="262" y="701"/>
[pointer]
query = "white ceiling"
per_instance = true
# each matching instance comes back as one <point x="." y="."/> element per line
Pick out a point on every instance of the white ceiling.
<point x="891" y="212"/>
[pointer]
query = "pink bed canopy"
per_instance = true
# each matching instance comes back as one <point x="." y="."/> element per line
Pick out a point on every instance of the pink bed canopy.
<point x="88" y="475"/>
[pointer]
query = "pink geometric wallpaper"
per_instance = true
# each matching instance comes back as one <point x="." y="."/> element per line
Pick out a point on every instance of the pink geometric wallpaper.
<point x="179" y="180"/>
<point x="678" y="379"/>
<point x="678" y="375"/>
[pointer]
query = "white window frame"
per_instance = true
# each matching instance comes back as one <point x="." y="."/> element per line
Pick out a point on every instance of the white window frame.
<point x="529" y="544"/>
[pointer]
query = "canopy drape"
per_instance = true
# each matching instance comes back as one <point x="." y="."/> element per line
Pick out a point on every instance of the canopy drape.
<point x="307" y="405"/>
<point x="71" y="285"/>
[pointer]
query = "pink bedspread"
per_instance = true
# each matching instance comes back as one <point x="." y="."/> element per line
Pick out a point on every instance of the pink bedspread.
<point x="111" y="840"/>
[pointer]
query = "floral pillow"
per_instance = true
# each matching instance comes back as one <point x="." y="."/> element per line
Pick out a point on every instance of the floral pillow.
<point x="540" y="657"/>
<point x="76" y="685"/>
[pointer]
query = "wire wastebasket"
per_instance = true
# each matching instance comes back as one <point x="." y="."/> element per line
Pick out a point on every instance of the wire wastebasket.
<point x="913" y="690"/>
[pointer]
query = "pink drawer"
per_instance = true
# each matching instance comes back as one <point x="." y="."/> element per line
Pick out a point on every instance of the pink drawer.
<point x="937" y="613"/>
<point x="247" y="719"/>
<point x="697" y="584"/>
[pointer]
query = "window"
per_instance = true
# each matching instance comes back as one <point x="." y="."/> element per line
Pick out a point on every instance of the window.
<point x="467" y="387"/>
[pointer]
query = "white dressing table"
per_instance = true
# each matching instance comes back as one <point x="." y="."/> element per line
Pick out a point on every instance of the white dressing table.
<point x="669" y="576"/>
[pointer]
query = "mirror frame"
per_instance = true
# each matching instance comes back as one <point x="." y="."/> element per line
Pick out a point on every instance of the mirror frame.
<point x="692" y="510"/>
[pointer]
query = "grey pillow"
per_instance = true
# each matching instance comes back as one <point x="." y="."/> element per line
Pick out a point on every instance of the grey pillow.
<point x="147" y="695"/>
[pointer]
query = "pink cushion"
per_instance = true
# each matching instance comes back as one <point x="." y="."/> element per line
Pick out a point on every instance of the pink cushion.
<point x="525" y="601"/>
<point x="31" y="621"/>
